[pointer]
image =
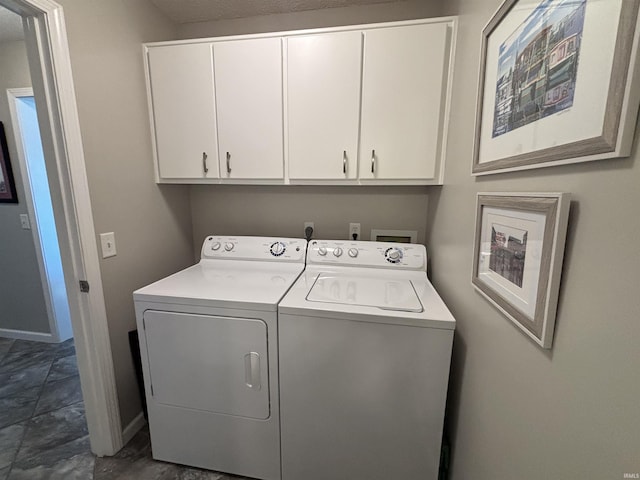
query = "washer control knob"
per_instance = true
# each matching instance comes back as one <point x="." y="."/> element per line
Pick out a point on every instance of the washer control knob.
<point x="322" y="251"/>
<point x="337" y="251"/>
<point x="393" y="255"/>
<point x="228" y="246"/>
<point x="353" y="252"/>
<point x="216" y="246"/>
<point x="277" y="248"/>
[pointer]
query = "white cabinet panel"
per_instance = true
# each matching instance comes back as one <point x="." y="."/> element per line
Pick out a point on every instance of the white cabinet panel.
<point x="248" y="78"/>
<point x="402" y="101"/>
<point x="181" y="85"/>
<point x="323" y="103"/>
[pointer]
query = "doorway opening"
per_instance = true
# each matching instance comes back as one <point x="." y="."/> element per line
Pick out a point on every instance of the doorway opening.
<point x="52" y="82"/>
<point x="41" y="219"/>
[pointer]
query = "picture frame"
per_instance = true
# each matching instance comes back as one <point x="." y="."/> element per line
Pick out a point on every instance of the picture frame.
<point x="518" y="254"/>
<point x="550" y="91"/>
<point x="7" y="183"/>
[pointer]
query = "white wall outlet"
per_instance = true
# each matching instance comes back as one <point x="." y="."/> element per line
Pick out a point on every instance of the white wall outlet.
<point x="308" y="224"/>
<point x="108" y="242"/>
<point x="354" y="229"/>
<point x="24" y="221"/>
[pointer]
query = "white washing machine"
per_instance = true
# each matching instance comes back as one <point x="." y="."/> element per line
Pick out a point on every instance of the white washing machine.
<point x="365" y="347"/>
<point x="208" y="341"/>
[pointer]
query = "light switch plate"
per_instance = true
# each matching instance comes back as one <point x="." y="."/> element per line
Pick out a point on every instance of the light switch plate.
<point x="108" y="242"/>
<point x="24" y="221"/>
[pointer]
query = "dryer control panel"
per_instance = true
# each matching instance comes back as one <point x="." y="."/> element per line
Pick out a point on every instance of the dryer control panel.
<point x="405" y="256"/>
<point x="254" y="248"/>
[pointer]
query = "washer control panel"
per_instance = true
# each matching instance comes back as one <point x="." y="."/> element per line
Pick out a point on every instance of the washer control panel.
<point x="368" y="254"/>
<point x="254" y="248"/>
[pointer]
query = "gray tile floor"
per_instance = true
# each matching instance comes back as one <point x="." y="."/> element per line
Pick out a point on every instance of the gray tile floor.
<point x="43" y="431"/>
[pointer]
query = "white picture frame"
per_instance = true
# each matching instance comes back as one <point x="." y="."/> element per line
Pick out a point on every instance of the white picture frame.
<point x="558" y="84"/>
<point x="518" y="254"/>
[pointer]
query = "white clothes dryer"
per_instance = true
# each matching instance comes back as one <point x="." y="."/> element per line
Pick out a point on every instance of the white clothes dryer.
<point x="208" y="341"/>
<point x="365" y="348"/>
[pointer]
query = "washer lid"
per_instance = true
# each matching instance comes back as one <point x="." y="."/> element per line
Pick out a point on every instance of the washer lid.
<point x="386" y="293"/>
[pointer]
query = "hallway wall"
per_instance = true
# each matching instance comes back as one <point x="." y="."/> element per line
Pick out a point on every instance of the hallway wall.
<point x="22" y="301"/>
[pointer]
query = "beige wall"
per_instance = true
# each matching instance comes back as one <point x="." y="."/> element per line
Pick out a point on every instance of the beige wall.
<point x="22" y="303"/>
<point x="517" y="411"/>
<point x="281" y="211"/>
<point x="330" y="17"/>
<point x="152" y="224"/>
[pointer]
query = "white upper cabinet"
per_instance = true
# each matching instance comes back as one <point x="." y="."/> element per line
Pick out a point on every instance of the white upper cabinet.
<point x="248" y="81"/>
<point x="323" y="105"/>
<point x="182" y="96"/>
<point x="346" y="105"/>
<point x="403" y="100"/>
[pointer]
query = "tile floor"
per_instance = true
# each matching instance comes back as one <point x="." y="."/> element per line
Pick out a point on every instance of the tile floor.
<point x="43" y="431"/>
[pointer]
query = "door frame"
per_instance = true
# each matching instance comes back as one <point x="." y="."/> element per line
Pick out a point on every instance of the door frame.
<point x="51" y="76"/>
<point x="55" y="334"/>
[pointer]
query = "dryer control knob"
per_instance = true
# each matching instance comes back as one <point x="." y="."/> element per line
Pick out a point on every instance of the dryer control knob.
<point x="277" y="249"/>
<point x="337" y="251"/>
<point x="228" y="246"/>
<point x="216" y="246"/>
<point x="353" y="252"/>
<point x="322" y="251"/>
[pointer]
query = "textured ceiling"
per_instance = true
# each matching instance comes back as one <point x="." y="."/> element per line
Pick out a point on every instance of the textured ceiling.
<point x="185" y="11"/>
<point x="10" y="26"/>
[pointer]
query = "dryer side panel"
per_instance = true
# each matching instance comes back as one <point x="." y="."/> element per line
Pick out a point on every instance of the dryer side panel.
<point x="208" y="363"/>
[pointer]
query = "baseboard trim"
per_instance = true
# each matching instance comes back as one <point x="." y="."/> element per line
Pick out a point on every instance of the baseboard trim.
<point x="134" y="427"/>
<point x="26" y="335"/>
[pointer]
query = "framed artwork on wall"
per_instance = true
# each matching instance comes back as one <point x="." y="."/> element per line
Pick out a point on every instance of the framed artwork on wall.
<point x="7" y="183"/>
<point x="558" y="84"/>
<point x="517" y="259"/>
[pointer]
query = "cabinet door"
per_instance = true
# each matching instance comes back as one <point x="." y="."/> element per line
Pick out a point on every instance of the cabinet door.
<point x="323" y="103"/>
<point x="248" y="76"/>
<point x="403" y="91"/>
<point x="181" y="86"/>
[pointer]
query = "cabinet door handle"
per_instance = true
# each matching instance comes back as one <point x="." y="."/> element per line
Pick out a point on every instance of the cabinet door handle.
<point x="228" y="163"/>
<point x="204" y="162"/>
<point x="373" y="161"/>
<point x="252" y="370"/>
<point x="344" y="162"/>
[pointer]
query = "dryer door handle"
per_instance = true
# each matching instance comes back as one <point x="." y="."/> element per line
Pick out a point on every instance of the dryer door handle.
<point x="252" y="370"/>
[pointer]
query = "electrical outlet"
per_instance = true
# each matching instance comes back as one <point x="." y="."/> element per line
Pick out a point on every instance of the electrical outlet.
<point x="108" y="242"/>
<point x="308" y="224"/>
<point x="354" y="229"/>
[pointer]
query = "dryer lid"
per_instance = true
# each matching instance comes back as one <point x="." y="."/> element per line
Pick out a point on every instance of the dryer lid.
<point x="385" y="293"/>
